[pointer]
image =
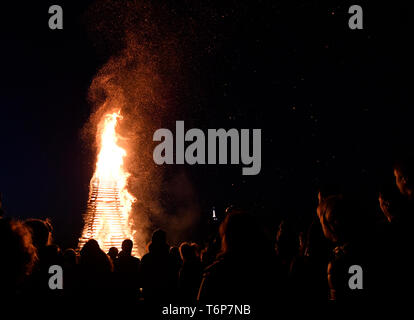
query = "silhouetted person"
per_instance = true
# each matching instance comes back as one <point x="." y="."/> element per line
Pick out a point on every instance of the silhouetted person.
<point x="18" y="257"/>
<point x="394" y="238"/>
<point x="48" y="255"/>
<point x="190" y="273"/>
<point x="341" y="224"/>
<point x="92" y="258"/>
<point x="391" y="203"/>
<point x="41" y="231"/>
<point x="157" y="275"/>
<point x="210" y="251"/>
<point x="308" y="272"/>
<point x="127" y="268"/>
<point x="286" y="246"/>
<point x="70" y="272"/>
<point x="70" y="258"/>
<point x="176" y="260"/>
<point x="246" y="271"/>
<point x="308" y="278"/>
<point x="196" y="249"/>
<point x="404" y="180"/>
<point x="95" y="268"/>
<point x="113" y="253"/>
<point x="404" y="176"/>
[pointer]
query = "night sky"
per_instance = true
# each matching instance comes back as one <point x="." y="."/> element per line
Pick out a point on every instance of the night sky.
<point x="334" y="104"/>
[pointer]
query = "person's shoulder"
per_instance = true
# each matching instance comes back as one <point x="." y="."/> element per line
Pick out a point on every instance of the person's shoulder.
<point x="146" y="257"/>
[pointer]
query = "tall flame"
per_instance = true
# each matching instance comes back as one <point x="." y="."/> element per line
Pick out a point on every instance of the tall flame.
<point x="110" y="203"/>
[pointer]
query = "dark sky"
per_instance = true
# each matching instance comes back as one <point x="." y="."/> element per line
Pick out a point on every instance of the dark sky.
<point x="334" y="104"/>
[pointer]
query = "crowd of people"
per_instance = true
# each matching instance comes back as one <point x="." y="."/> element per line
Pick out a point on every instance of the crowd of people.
<point x="240" y="264"/>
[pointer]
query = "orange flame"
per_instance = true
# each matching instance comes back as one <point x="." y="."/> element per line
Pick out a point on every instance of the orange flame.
<point x="110" y="203"/>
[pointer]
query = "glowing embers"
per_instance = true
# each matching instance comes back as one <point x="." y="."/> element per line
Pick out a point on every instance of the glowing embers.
<point x="109" y="205"/>
<point x="105" y="220"/>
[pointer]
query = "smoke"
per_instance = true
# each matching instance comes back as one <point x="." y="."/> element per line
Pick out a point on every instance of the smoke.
<point x="146" y="77"/>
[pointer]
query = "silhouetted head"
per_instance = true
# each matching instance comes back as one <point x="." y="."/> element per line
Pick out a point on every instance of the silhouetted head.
<point x="175" y="252"/>
<point x="70" y="257"/>
<point x="159" y="244"/>
<point x="339" y="219"/>
<point x="196" y="248"/>
<point x="90" y="247"/>
<point x="404" y="176"/>
<point x="41" y="231"/>
<point x="127" y="245"/>
<point x="18" y="254"/>
<point x="113" y="253"/>
<point x="188" y="252"/>
<point x="52" y="254"/>
<point x="159" y="237"/>
<point x="92" y="257"/>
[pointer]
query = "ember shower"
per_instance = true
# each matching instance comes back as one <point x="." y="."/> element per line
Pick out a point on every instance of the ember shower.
<point x="143" y="82"/>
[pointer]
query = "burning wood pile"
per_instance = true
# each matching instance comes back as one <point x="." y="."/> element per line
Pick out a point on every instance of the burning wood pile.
<point x="107" y="215"/>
